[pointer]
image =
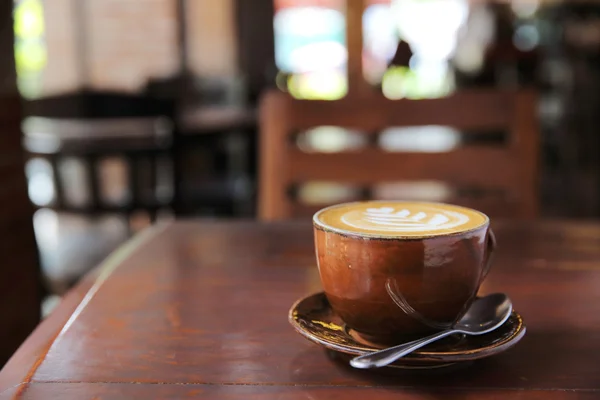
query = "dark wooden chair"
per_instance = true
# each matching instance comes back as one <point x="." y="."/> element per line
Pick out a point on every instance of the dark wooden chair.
<point x="96" y="131"/>
<point x="499" y="177"/>
<point x="140" y="147"/>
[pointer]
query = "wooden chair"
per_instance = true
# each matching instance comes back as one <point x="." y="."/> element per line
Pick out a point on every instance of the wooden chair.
<point x="505" y="172"/>
<point x="134" y="145"/>
<point x="116" y="143"/>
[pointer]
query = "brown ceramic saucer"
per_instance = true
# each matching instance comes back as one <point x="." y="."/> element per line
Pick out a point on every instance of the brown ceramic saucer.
<point x="314" y="319"/>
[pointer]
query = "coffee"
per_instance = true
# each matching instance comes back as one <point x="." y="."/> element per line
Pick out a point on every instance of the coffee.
<point x="394" y="270"/>
<point x="399" y="219"/>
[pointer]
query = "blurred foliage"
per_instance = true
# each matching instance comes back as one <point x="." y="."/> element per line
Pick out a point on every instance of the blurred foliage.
<point x="30" y="49"/>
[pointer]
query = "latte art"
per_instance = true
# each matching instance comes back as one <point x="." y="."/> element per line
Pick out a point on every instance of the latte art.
<point x="399" y="218"/>
<point x="403" y="220"/>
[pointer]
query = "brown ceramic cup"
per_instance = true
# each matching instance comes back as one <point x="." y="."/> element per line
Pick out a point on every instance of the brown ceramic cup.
<point x="388" y="286"/>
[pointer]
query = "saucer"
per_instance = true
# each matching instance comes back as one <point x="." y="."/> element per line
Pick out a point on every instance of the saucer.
<point x="314" y="319"/>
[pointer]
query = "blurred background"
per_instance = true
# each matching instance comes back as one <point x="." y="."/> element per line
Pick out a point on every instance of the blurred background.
<point x="117" y="114"/>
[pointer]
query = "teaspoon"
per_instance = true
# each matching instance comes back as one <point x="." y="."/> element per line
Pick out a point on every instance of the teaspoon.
<point x="485" y="315"/>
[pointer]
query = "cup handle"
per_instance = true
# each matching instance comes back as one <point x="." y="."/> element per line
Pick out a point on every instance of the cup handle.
<point x="401" y="302"/>
<point x="489" y="253"/>
<point x="397" y="297"/>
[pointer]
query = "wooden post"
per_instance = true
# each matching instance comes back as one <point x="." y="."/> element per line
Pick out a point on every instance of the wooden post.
<point x="526" y="140"/>
<point x="20" y="285"/>
<point x="273" y="204"/>
<point x="354" y="42"/>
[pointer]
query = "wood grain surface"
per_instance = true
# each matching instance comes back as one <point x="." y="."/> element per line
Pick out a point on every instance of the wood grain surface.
<point x="199" y="309"/>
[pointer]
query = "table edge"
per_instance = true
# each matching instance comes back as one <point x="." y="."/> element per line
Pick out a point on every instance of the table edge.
<point x="23" y="364"/>
<point x="18" y="390"/>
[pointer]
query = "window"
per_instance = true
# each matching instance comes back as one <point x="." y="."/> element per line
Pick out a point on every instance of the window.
<point x="310" y="48"/>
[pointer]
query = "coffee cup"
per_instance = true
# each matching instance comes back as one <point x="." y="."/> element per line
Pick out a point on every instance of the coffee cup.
<point x="393" y="270"/>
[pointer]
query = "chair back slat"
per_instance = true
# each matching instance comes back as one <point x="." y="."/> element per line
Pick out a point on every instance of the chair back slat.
<point x="468" y="166"/>
<point x="464" y="110"/>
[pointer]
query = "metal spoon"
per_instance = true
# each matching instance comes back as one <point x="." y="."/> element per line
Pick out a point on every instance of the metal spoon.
<point x="484" y="315"/>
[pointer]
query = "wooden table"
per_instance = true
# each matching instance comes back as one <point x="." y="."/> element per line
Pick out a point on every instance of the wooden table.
<point x="199" y="309"/>
<point x="204" y="119"/>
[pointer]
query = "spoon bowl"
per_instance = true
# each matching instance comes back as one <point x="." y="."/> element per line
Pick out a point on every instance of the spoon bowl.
<point x="485" y="314"/>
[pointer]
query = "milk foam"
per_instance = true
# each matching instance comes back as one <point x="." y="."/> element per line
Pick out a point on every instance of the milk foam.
<point x="401" y="218"/>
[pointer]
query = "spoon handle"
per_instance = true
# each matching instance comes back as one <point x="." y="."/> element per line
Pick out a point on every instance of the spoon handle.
<point x="387" y="356"/>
